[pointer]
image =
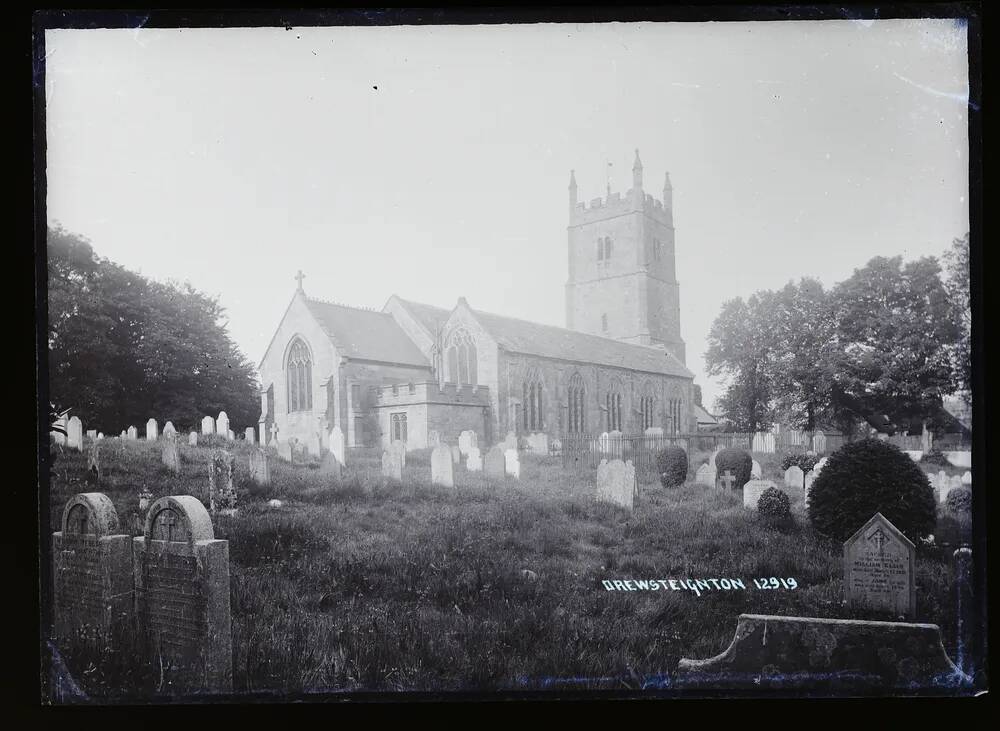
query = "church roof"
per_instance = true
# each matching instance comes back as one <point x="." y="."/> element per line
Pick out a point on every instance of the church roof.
<point x="703" y="416"/>
<point x="366" y="334"/>
<point x="432" y="318"/>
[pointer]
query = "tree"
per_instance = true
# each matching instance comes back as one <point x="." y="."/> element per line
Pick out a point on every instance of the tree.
<point x="957" y="285"/>
<point x="741" y="349"/>
<point x="123" y="348"/>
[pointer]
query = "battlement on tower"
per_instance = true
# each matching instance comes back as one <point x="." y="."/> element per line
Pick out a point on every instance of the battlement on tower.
<point x="617" y="204"/>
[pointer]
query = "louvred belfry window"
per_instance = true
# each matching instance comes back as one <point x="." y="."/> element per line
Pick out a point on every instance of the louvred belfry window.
<point x="298" y="375"/>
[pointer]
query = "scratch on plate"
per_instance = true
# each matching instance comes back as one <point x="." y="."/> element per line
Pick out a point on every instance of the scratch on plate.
<point x="963" y="98"/>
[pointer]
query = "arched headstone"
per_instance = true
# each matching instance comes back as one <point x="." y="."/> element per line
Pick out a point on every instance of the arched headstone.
<point x="222" y="424"/>
<point x="474" y="460"/>
<point x="208" y="425"/>
<point x="168" y="430"/>
<point x="74" y="433"/>
<point x="152" y="430"/>
<point x="260" y="471"/>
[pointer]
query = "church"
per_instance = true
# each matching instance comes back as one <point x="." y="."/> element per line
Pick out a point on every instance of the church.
<point x="412" y="369"/>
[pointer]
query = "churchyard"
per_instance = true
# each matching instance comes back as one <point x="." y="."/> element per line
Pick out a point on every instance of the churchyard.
<point x="356" y="581"/>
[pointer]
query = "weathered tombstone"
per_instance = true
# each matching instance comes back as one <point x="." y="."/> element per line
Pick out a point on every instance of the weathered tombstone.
<point x="967" y="478"/>
<point x="94" y="464"/>
<point x="510" y="441"/>
<point x="914" y="454"/>
<point x="442" y="466"/>
<point x="229" y="435"/>
<point x="397" y="448"/>
<point x="249" y="435"/>
<point x="705" y="475"/>
<point x="312" y="444"/>
<point x="392" y="468"/>
<point x="615" y="483"/>
<point x="755" y="470"/>
<point x="222" y="424"/>
<point x="753" y="490"/>
<point x="494" y="465"/>
<point x="91" y="433"/>
<point x="726" y="481"/>
<point x="512" y="464"/>
<point x="466" y="440"/>
<point x="538" y="443"/>
<point x="169" y="431"/>
<point x="940" y="484"/>
<point x="63" y="423"/>
<point x="208" y="425"/>
<point x="794" y="477"/>
<point x="654" y="431"/>
<point x="456" y="454"/>
<point x="100" y="435"/>
<point x="152" y="430"/>
<point x="92" y="569"/>
<point x="170" y="457"/>
<point x="193" y="439"/>
<point x="74" y="433"/>
<point x="260" y="471"/>
<point x="182" y="592"/>
<point x="337" y="444"/>
<point x="285" y="450"/>
<point x="123" y="435"/>
<point x="433" y="438"/>
<point x="221" y="491"/>
<point x="879" y="568"/>
<point x="133" y="433"/>
<point x="474" y="460"/>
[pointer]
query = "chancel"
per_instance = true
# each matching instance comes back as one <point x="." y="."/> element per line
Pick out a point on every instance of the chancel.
<point x="412" y="369"/>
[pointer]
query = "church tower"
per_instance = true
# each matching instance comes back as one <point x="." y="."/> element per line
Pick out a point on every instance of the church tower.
<point x="622" y="279"/>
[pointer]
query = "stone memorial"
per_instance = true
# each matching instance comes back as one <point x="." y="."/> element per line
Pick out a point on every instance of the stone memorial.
<point x="466" y="441"/>
<point x="208" y="425"/>
<point x="182" y="597"/>
<point x="222" y="424"/>
<point x="538" y="443"/>
<point x="705" y="475"/>
<point x="913" y="454"/>
<point x="193" y="439"/>
<point x="74" y="433"/>
<point x="967" y="478"/>
<point x="398" y="449"/>
<point x="726" y="481"/>
<point x="879" y="569"/>
<point x="123" y="435"/>
<point x="152" y="431"/>
<point x="474" y="460"/>
<point x="443" y="466"/>
<point x="456" y="454"/>
<point x="169" y="431"/>
<point x="133" y="433"/>
<point x="170" y="456"/>
<point x="91" y="433"/>
<point x="512" y="464"/>
<point x="285" y="450"/>
<point x="100" y="435"/>
<point x="91" y="569"/>
<point x="260" y="470"/>
<point x="221" y="491"/>
<point x="604" y="442"/>
<point x="249" y="436"/>
<point x="392" y="466"/>
<point x="794" y="477"/>
<point x="495" y="464"/>
<point x="755" y="470"/>
<point x="312" y="444"/>
<point x="337" y="444"/>
<point x="616" y="483"/>
<point x="753" y="490"/>
<point x="94" y="464"/>
<point x="230" y="436"/>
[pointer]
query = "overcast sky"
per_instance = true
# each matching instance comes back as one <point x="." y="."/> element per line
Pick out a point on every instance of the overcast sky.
<point x="432" y="162"/>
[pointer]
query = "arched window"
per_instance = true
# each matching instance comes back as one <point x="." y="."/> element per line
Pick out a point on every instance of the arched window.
<point x="613" y="408"/>
<point x="298" y="376"/>
<point x="462" y="359"/>
<point x="576" y="394"/>
<point x="646" y="406"/>
<point x="533" y="408"/>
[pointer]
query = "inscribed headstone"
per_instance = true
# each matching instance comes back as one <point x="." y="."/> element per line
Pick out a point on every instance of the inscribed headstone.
<point x="494" y="465"/>
<point x="755" y="470"/>
<point x="705" y="475"/>
<point x="512" y="464"/>
<point x="616" y="483"/>
<point x="221" y="491"/>
<point x="474" y="460"/>
<point x="442" y="466"/>
<point x="170" y="457"/>
<point x="753" y="490"/>
<point x="133" y="433"/>
<point x="222" y="424"/>
<point x="913" y="454"/>
<point x="208" y="425"/>
<point x="879" y="568"/>
<point x="260" y="470"/>
<point x="152" y="430"/>
<point x="794" y="476"/>
<point x="466" y="440"/>
<point x="169" y="431"/>
<point x="193" y="439"/>
<point x="337" y="444"/>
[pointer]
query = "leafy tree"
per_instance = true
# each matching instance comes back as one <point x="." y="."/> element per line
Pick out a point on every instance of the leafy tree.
<point x="123" y="348"/>
<point x="957" y="285"/>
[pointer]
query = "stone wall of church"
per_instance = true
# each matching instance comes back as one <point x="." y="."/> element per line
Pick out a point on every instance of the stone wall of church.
<point x="555" y="378"/>
<point x="487" y="363"/>
<point x="354" y="409"/>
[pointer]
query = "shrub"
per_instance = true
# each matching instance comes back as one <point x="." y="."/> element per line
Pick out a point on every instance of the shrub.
<point x="935" y="457"/>
<point x="959" y="500"/>
<point x="774" y="507"/>
<point x="805" y="462"/>
<point x="866" y="477"/>
<point x="737" y="461"/>
<point x="672" y="464"/>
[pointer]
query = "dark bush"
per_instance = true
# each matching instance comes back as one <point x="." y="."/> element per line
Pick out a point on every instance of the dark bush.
<point x="737" y="461"/>
<point x="805" y="462"/>
<point x="959" y="500"/>
<point x="867" y="477"/>
<point x="935" y="457"/>
<point x="672" y="464"/>
<point x="774" y="507"/>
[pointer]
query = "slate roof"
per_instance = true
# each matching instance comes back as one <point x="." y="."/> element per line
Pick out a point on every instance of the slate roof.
<point x="703" y="416"/>
<point x="548" y="341"/>
<point x="366" y="334"/>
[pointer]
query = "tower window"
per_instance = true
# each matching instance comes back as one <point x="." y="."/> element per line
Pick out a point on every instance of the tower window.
<point x="604" y="248"/>
<point x="607" y="248"/>
<point x="604" y="322"/>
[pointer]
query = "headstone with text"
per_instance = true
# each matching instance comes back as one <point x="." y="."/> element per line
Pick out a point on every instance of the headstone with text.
<point x="755" y="470"/>
<point x="337" y="444"/>
<point x="169" y="431"/>
<point x="193" y="439"/>
<point x="132" y="433"/>
<point x="705" y="475"/>
<point x="248" y="435"/>
<point x="753" y="490"/>
<point x="879" y="571"/>
<point x="208" y="425"/>
<point x="794" y="477"/>
<point x="222" y="424"/>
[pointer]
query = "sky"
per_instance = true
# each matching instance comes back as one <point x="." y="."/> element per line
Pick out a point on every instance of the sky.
<point x="433" y="162"/>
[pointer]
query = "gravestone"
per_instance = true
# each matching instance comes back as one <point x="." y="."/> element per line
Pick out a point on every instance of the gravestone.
<point x="100" y="435"/>
<point x="312" y="444"/>
<point x="222" y="424"/>
<point x="510" y="441"/>
<point x="91" y="433"/>
<point x="132" y="433"/>
<point x="456" y="454"/>
<point x="753" y="490"/>
<point x="193" y="439"/>
<point x="398" y="448"/>
<point x="654" y="431"/>
<point x="941" y="485"/>
<point x="538" y="443"/>
<point x="152" y="430"/>
<point x="474" y="460"/>
<point x="512" y="464"/>
<point x="433" y="438"/>
<point x="285" y="450"/>
<point x="616" y="483"/>
<point x="913" y="454"/>
<point x="260" y="471"/>
<point x="443" y="466"/>
<point x="170" y="457"/>
<point x="879" y="568"/>
<point x="466" y="441"/>
<point x="182" y="591"/>
<point x="755" y="470"/>
<point x="494" y="464"/>
<point x="123" y="435"/>
<point x="337" y="444"/>
<point x="726" y="481"/>
<point x="74" y="433"/>
<point x="604" y="442"/>
<point x="705" y="475"/>
<point x="92" y="569"/>
<point x="230" y="436"/>
<point x="392" y="466"/>
<point x="818" y="467"/>
<point x="63" y="423"/>
<point x="967" y="478"/>
<point x="94" y="464"/>
<point x="249" y="436"/>
<point x="794" y="477"/>
<point x="169" y="431"/>
<point x="208" y="425"/>
<point x="221" y="491"/>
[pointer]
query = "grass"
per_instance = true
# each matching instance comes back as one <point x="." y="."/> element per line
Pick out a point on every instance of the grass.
<point x="355" y="584"/>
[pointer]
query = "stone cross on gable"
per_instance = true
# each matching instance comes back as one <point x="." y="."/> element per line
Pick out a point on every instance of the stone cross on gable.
<point x="727" y="480"/>
<point x="299" y="277"/>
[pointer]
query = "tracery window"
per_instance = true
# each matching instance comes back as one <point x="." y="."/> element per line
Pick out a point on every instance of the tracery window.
<point x="298" y="377"/>
<point x="646" y="408"/>
<point x="462" y="359"/>
<point x="613" y="410"/>
<point x="532" y="409"/>
<point x="576" y="395"/>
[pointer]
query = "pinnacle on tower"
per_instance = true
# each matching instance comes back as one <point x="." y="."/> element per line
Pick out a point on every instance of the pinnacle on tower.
<point x="637" y="172"/>
<point x="572" y="189"/>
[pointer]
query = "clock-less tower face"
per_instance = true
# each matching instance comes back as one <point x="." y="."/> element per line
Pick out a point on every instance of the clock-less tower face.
<point x="622" y="282"/>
